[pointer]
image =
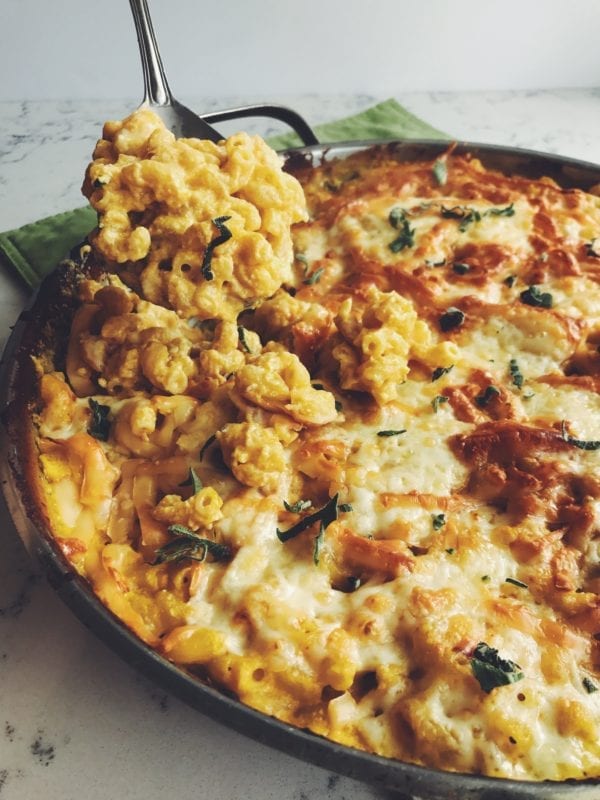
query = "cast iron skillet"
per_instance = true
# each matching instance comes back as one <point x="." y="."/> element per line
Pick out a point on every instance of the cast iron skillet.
<point x="46" y="314"/>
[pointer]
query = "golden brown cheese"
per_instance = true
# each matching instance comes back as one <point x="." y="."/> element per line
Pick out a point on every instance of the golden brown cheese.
<point x="353" y="479"/>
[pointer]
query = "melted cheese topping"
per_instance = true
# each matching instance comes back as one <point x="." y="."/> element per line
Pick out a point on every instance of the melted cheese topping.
<point x="369" y="505"/>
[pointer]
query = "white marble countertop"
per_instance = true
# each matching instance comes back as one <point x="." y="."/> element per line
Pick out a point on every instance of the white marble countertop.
<point x="75" y="720"/>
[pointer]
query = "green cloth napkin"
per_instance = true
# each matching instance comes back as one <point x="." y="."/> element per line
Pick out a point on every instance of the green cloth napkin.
<point x="35" y="249"/>
<point x="387" y="120"/>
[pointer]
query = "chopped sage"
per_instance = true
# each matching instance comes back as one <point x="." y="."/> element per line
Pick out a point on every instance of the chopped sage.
<point x="223" y="236"/>
<point x="437" y="401"/>
<point x="438" y="372"/>
<point x="242" y="338"/>
<point x="515" y="373"/>
<point x="533" y="296"/>
<point x="406" y="238"/>
<point x="460" y="268"/>
<point x="188" y="545"/>
<point x="193" y="480"/>
<point x="507" y="211"/>
<point x="490" y="393"/>
<point x="298" y="506"/>
<point x="451" y="318"/>
<point x="314" y="277"/>
<point x="438" y="521"/>
<point x="325" y="516"/>
<point x="491" y="670"/>
<point x="397" y="217"/>
<point x="207" y="444"/>
<point x="319" y="539"/>
<point x="99" y="426"/>
<point x="582" y="444"/>
<point x="516" y="582"/>
<point x="465" y="215"/>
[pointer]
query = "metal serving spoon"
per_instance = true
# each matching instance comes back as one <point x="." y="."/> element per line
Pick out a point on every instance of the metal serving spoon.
<point x="177" y="117"/>
<point x="157" y="95"/>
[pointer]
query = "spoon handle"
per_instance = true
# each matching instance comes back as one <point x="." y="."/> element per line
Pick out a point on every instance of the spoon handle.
<point x="156" y="88"/>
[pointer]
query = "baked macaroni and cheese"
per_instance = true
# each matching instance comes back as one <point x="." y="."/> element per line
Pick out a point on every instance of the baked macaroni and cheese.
<point x="331" y="441"/>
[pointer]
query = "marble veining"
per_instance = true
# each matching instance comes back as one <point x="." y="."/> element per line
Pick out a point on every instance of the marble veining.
<point x="75" y="720"/>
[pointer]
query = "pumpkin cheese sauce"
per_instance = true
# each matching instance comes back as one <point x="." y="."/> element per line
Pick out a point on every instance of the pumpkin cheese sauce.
<point x="330" y="440"/>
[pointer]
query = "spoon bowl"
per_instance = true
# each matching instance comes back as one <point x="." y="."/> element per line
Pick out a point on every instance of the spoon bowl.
<point x="179" y="118"/>
<point x="157" y="95"/>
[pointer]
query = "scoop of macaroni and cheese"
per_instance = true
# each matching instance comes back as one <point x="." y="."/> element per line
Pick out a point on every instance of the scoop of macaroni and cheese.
<point x="204" y="228"/>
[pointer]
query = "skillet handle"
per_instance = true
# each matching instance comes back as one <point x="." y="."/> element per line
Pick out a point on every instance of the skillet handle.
<point x="282" y="113"/>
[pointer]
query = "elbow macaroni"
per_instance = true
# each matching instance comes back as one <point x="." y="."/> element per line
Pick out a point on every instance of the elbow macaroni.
<point x="158" y="198"/>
